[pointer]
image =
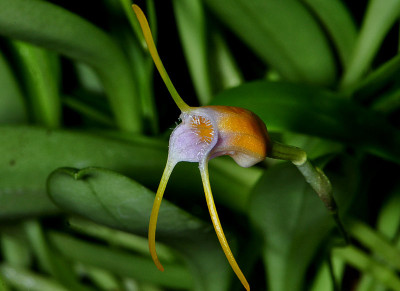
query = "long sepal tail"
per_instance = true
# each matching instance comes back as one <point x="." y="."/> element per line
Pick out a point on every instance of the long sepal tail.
<point x="217" y="225"/>
<point x="154" y="213"/>
<point x="156" y="58"/>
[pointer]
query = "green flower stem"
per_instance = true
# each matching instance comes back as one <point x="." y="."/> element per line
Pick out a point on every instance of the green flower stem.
<point x="313" y="175"/>
<point x="289" y="153"/>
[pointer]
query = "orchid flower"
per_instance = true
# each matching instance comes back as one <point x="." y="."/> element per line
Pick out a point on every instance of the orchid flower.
<point x="210" y="131"/>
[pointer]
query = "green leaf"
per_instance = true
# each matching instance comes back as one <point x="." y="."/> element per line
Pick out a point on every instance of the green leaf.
<point x="119" y="262"/>
<point x="293" y="222"/>
<point x="27" y="280"/>
<point x="30" y="154"/>
<point x="302" y="109"/>
<point x="119" y="202"/>
<point x="378" y="79"/>
<point x="338" y="22"/>
<point x="283" y="34"/>
<point x="12" y="104"/>
<point x="191" y="23"/>
<point x="41" y="83"/>
<point x="52" y="27"/>
<point x="367" y="264"/>
<point x="379" y="18"/>
<point x="225" y="70"/>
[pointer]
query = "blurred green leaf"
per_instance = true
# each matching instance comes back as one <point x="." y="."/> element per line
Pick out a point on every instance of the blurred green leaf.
<point x="293" y="222"/>
<point x="338" y="22"/>
<point x="119" y="202"/>
<point x="308" y="110"/>
<point x="191" y="23"/>
<point x="27" y="280"/>
<point x="284" y="34"/>
<point x="377" y="243"/>
<point x="14" y="247"/>
<point x="70" y="35"/>
<point x="118" y="262"/>
<point x="12" y="103"/>
<point x="47" y="260"/>
<point x="365" y="263"/>
<point x="379" y="18"/>
<point x="117" y="238"/>
<point x="225" y="69"/>
<point x="378" y="81"/>
<point x="31" y="154"/>
<point x="41" y="83"/>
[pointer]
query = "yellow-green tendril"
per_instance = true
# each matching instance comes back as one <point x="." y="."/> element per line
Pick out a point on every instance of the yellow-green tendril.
<point x="156" y="58"/>
<point x="154" y="214"/>
<point x="218" y="227"/>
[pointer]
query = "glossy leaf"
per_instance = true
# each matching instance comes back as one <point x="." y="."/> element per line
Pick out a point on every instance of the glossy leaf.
<point x="114" y="200"/>
<point x="12" y="103"/>
<point x="293" y="222"/>
<point x="302" y="109"/>
<point x="81" y="41"/>
<point x="274" y="30"/>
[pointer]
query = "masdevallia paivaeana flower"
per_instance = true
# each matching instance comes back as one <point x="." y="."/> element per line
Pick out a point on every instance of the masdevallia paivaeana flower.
<point x="210" y="131"/>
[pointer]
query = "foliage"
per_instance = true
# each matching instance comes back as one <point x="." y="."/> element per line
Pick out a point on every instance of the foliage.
<point x="83" y="141"/>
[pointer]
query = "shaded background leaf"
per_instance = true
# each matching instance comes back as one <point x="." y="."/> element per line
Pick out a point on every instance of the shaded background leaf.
<point x="298" y="54"/>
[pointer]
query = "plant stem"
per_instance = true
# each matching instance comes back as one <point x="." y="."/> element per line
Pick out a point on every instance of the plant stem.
<point x="313" y="175"/>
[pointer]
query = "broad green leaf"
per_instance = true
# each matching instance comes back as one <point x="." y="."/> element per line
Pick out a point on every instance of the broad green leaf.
<point x="12" y="104"/>
<point x="52" y="27"/>
<point x="119" y="202"/>
<point x="302" y="109"/>
<point x="293" y="222"/>
<point x="191" y="23"/>
<point x="41" y="83"/>
<point x="30" y="154"/>
<point x="379" y="18"/>
<point x="284" y="34"/>
<point x="338" y="22"/>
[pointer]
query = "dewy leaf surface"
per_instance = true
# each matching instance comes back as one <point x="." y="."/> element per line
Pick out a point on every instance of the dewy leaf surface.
<point x="114" y="200"/>
<point x="303" y="109"/>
